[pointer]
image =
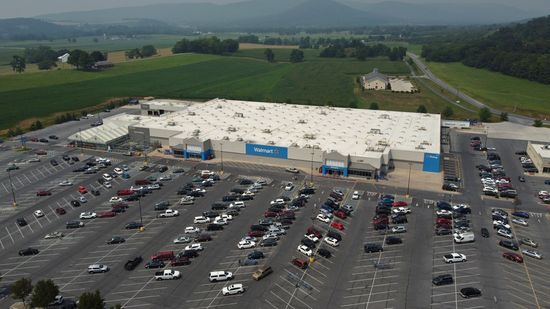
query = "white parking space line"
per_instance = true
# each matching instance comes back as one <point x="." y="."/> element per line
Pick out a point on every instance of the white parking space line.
<point x="132" y="291"/>
<point x="11" y="237"/>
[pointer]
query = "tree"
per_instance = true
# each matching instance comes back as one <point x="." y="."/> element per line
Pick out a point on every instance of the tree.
<point x="133" y="53"/>
<point x="353" y="104"/>
<point x="21" y="289"/>
<point x="504" y="116"/>
<point x="18" y="64"/>
<point x="95" y="40"/>
<point x="148" y="51"/>
<point x="98" y="56"/>
<point x="89" y="300"/>
<point x="422" y="109"/>
<point x="80" y="59"/>
<point x="37" y="125"/>
<point x="447" y="112"/>
<point x="269" y="55"/>
<point x="44" y="292"/>
<point x="18" y="131"/>
<point x="537" y="123"/>
<point x="46" y="64"/>
<point x="296" y="56"/>
<point x="484" y="114"/>
<point x="374" y="106"/>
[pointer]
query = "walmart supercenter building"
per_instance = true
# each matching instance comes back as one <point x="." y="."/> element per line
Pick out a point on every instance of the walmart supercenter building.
<point x="332" y="140"/>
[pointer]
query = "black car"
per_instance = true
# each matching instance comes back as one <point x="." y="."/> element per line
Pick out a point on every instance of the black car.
<point x="334" y="235"/>
<point x="245" y="181"/>
<point x="219" y="206"/>
<point x="214" y="227"/>
<point x="259" y="227"/>
<point x="245" y="197"/>
<point x="484" y="232"/>
<point x="188" y="254"/>
<point x="449" y="187"/>
<point x="237" y="190"/>
<point x="75" y="159"/>
<point x="512" y="245"/>
<point x="28" y="251"/>
<point x="229" y="198"/>
<point x="133" y="226"/>
<point x="79" y="170"/>
<point x="324" y="253"/>
<point x="132" y="264"/>
<point x="43" y="140"/>
<point x="53" y="162"/>
<point x="74" y="225"/>
<point x="232" y="212"/>
<point x="270" y="242"/>
<point x="392" y="240"/>
<point x="178" y="171"/>
<point x="211" y="214"/>
<point x="133" y="197"/>
<point x="21" y="221"/>
<point x="75" y="203"/>
<point x="373" y="248"/>
<point x="155" y="264"/>
<point x="5" y="291"/>
<point x="509" y="193"/>
<point x="195" y="194"/>
<point x="442" y="205"/>
<point x="470" y="292"/>
<point x="161" y="207"/>
<point x="443" y="279"/>
<point x="443" y="231"/>
<point x="399" y="219"/>
<point x="380" y="227"/>
<point x="95" y="192"/>
<point x="308" y="243"/>
<point x="307" y="191"/>
<point x="66" y="158"/>
<point x="163" y="169"/>
<point x="116" y="240"/>
<point x="254" y="255"/>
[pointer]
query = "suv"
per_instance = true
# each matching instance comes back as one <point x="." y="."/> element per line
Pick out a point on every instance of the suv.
<point x="509" y="244"/>
<point x="301" y="263"/>
<point x="132" y="264"/>
<point x="373" y="248"/>
<point x="443" y="279"/>
<point x="97" y="268"/>
<point x="262" y="272"/>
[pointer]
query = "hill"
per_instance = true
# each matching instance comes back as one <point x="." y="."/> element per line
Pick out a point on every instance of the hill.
<point x="520" y="50"/>
<point x="33" y="29"/>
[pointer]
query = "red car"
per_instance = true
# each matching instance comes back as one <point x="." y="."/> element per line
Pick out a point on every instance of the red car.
<point x="337" y="225"/>
<point x="514" y="257"/>
<point x="43" y="193"/>
<point x="256" y="234"/>
<point x="270" y="214"/>
<point x="399" y="204"/>
<point x="380" y="220"/>
<point x="443" y="221"/>
<point x="180" y="261"/>
<point x="340" y="214"/>
<point x="106" y="214"/>
<point x="301" y="263"/>
<point x="60" y="211"/>
<point x="82" y="190"/>
<point x="124" y="192"/>
<point x="312" y="230"/>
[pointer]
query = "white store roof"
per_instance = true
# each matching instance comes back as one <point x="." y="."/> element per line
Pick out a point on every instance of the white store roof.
<point x="103" y="134"/>
<point x="542" y="149"/>
<point x="348" y="131"/>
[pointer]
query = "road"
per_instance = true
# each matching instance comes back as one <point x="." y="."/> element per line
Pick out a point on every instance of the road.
<point x="511" y="117"/>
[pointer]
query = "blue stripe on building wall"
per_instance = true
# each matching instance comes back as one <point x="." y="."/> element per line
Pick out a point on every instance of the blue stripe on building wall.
<point x="432" y="162"/>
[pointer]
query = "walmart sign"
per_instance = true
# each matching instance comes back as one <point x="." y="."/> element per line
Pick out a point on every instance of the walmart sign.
<point x="267" y="151"/>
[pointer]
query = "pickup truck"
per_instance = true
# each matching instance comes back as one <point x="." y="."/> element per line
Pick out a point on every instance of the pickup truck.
<point x="169" y="213"/>
<point x="167" y="274"/>
<point x="454" y="258"/>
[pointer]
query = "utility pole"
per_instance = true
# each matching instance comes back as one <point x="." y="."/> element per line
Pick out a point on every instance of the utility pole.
<point x="14" y="204"/>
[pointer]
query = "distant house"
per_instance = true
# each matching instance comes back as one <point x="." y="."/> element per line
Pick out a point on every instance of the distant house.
<point x="375" y="80"/>
<point x="100" y="65"/>
<point x="63" y="58"/>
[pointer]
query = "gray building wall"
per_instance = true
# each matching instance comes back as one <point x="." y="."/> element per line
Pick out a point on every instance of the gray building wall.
<point x="139" y="135"/>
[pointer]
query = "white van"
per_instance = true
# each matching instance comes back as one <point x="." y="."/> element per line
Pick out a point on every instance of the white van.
<point x="220" y="276"/>
<point x="464" y="237"/>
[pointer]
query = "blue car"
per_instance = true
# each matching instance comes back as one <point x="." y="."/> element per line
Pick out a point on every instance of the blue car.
<point x="547" y="182"/>
<point x="521" y="214"/>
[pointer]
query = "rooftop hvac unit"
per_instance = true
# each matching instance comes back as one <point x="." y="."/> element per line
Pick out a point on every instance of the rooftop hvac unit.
<point x="422" y="129"/>
<point x="232" y="129"/>
<point x="316" y="147"/>
<point x="293" y="145"/>
<point x="323" y="113"/>
<point x="239" y="139"/>
<point x="262" y="108"/>
<point x="384" y="116"/>
<point x="419" y="147"/>
<point x="546" y="146"/>
<point x="271" y="143"/>
<point x="137" y="118"/>
<point x="301" y="121"/>
<point x="225" y="138"/>
<point x="426" y="143"/>
<point x="238" y="115"/>
<point x="191" y="114"/>
<point x="219" y="106"/>
<point x="266" y="131"/>
<point x="171" y="123"/>
<point x="307" y="146"/>
<point x="309" y="136"/>
<point x="196" y="132"/>
<point x="375" y="131"/>
<point x="382" y="143"/>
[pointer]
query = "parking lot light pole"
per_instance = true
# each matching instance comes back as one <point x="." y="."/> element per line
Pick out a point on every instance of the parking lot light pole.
<point x="311" y="172"/>
<point x="141" y="229"/>
<point x="221" y="157"/>
<point x="409" y="180"/>
<point x="14" y="204"/>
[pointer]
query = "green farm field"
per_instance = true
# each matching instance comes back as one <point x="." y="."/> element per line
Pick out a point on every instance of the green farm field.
<point x="500" y="91"/>
<point x="188" y="76"/>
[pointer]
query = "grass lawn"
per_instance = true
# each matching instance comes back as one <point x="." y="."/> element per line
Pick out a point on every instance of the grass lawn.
<point x="497" y="90"/>
<point x="317" y="81"/>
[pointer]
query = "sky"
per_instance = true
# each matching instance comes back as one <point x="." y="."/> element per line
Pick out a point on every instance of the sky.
<point x="29" y="8"/>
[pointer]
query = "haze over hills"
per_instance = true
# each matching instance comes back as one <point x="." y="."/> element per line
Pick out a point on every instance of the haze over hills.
<point x="309" y="13"/>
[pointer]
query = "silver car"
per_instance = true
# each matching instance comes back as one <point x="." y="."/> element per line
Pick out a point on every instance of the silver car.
<point x="532" y="253"/>
<point x="98" y="268"/>
<point x="529" y="242"/>
<point x="520" y="221"/>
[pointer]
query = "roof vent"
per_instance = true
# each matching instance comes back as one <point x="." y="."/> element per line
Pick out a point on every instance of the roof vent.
<point x="196" y="132"/>
<point x="323" y="113"/>
<point x="191" y="114"/>
<point x="137" y="118"/>
<point x="262" y="108"/>
<point x="294" y="145"/>
<point x="309" y="136"/>
<point x="249" y="141"/>
<point x="232" y="129"/>
<point x="239" y="139"/>
<point x="301" y="121"/>
<point x="171" y="123"/>
<point x="316" y="147"/>
<point x="268" y="131"/>
<point x="384" y="116"/>
<point x="238" y="115"/>
<point x="375" y="131"/>
<point x="422" y="129"/>
<point x="419" y="147"/>
<point x="219" y="106"/>
<point x="225" y="138"/>
<point x="271" y="143"/>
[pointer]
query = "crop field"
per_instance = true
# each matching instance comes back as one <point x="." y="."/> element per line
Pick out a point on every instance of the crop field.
<point x="188" y="76"/>
<point x="497" y="90"/>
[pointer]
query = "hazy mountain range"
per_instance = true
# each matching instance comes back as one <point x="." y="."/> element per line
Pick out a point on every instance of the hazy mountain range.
<point x="251" y="14"/>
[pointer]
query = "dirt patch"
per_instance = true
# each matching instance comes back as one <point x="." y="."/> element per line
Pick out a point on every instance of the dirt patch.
<point x="120" y="56"/>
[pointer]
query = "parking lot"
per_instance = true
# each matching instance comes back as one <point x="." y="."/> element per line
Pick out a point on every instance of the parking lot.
<point x="400" y="276"/>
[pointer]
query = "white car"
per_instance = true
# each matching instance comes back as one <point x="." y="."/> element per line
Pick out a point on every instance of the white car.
<point x="187" y="200"/>
<point x="220" y="221"/>
<point x="532" y="253"/>
<point x="195" y="247"/>
<point x="246" y="244"/>
<point x="154" y="186"/>
<point x="38" y="213"/>
<point x="332" y="241"/>
<point x="443" y="212"/>
<point x="107" y="185"/>
<point x="401" y="210"/>
<point x="305" y="250"/>
<point x="237" y="204"/>
<point x="454" y="257"/>
<point x="182" y="240"/>
<point x="520" y="221"/>
<point x="323" y="218"/>
<point x="254" y="239"/>
<point x="224" y="217"/>
<point x="270" y="236"/>
<point x="65" y="183"/>
<point x="115" y="199"/>
<point x="165" y="178"/>
<point x="233" y="289"/>
<point x="399" y="229"/>
<point x="312" y="237"/>
<point x="54" y="235"/>
<point x="505" y="233"/>
<point x="498" y="223"/>
<point x="278" y="201"/>
<point x="289" y="186"/>
<point x="191" y="230"/>
<point x="33" y="160"/>
<point x="168" y="213"/>
<point x="88" y="215"/>
<point x="355" y="195"/>
<point x="118" y="171"/>
<point x="460" y="206"/>
<point x="201" y="219"/>
<point x="82" y="199"/>
<point x="107" y="177"/>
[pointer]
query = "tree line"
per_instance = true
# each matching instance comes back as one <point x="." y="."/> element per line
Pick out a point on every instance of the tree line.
<point x="522" y="51"/>
<point x="357" y="49"/>
<point x="211" y="45"/>
<point x="46" y="58"/>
